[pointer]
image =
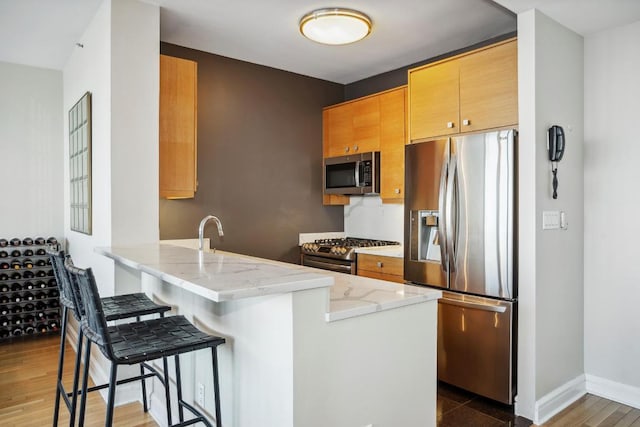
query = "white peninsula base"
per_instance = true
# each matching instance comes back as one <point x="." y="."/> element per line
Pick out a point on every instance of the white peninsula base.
<point x="285" y="365"/>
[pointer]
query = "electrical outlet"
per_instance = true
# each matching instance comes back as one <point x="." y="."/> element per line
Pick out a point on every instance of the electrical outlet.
<point x="201" y="395"/>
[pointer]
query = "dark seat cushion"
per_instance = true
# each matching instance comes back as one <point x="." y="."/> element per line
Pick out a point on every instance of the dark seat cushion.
<point x="130" y="305"/>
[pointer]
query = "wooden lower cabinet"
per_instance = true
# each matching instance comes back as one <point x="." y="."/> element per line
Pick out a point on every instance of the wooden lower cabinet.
<point x="381" y="267"/>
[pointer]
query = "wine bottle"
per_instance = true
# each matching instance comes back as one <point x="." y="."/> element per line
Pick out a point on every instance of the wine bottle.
<point x="3" y="254"/>
<point x="50" y="272"/>
<point x="28" y="307"/>
<point x="4" y="265"/>
<point x="40" y="241"/>
<point x="28" y="318"/>
<point x="4" y="321"/>
<point x="53" y="325"/>
<point x="17" y="331"/>
<point x="41" y="327"/>
<point x="5" y="309"/>
<point x="16" y="275"/>
<point x="4" y="276"/>
<point x="41" y="262"/>
<point x="53" y="303"/>
<point x="4" y="333"/>
<point x="28" y="286"/>
<point x="28" y="296"/>
<point x="16" y="309"/>
<point x="27" y="263"/>
<point x="15" y="253"/>
<point x="40" y="284"/>
<point x="52" y="241"/>
<point x="27" y="241"/>
<point x="52" y="283"/>
<point x="16" y="264"/>
<point x="3" y="243"/>
<point x="14" y="242"/>
<point x="41" y="274"/>
<point x="41" y="252"/>
<point x="29" y="330"/>
<point x="15" y="287"/>
<point x="16" y="320"/>
<point x="27" y="252"/>
<point x="16" y="297"/>
<point x="41" y="295"/>
<point x="53" y="293"/>
<point x="4" y="287"/>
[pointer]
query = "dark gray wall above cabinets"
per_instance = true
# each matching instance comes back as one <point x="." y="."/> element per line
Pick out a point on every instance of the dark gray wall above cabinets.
<point x="398" y="77"/>
<point x="259" y="158"/>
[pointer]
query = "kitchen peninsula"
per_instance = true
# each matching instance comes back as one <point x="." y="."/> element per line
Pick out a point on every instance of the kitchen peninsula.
<point x="304" y="347"/>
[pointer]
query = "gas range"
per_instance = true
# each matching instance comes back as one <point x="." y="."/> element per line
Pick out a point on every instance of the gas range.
<point x="341" y="249"/>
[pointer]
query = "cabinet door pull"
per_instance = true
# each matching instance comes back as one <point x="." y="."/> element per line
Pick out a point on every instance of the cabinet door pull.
<point x="355" y="148"/>
<point x="346" y="149"/>
<point x="379" y="264"/>
<point x="397" y="191"/>
<point x="450" y="125"/>
<point x="466" y="122"/>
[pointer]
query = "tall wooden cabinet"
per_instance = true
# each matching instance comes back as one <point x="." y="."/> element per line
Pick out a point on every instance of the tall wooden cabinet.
<point x="178" y="127"/>
<point x="373" y="123"/>
<point x="473" y="91"/>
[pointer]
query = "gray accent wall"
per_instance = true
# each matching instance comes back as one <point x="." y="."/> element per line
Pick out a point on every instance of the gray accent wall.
<point x="259" y="158"/>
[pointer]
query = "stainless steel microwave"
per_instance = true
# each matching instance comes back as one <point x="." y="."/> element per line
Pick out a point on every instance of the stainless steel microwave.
<point x="352" y="174"/>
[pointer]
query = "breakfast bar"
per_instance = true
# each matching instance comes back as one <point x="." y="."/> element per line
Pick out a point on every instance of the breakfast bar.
<point x="305" y="347"/>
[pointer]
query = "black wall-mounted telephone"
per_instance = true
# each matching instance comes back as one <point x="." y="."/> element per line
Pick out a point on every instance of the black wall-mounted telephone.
<point x="555" y="143"/>
<point x="555" y="146"/>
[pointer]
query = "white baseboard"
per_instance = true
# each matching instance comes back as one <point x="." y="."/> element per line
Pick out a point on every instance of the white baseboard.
<point x="557" y="400"/>
<point x="622" y="393"/>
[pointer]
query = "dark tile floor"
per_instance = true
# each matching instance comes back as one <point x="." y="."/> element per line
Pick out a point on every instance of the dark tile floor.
<point x="459" y="408"/>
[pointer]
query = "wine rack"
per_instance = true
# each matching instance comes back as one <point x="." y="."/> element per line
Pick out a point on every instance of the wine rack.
<point x="29" y="302"/>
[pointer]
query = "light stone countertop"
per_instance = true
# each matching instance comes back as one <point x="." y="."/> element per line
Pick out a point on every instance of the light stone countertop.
<point x="223" y="276"/>
<point x="395" y="251"/>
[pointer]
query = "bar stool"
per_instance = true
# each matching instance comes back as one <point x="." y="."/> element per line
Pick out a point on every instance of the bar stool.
<point x="138" y="342"/>
<point x="115" y="308"/>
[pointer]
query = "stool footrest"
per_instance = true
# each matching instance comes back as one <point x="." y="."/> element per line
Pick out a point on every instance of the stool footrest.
<point x="199" y="416"/>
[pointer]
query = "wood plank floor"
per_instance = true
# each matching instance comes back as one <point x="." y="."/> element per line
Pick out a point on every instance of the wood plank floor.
<point x="594" y="411"/>
<point x="28" y="370"/>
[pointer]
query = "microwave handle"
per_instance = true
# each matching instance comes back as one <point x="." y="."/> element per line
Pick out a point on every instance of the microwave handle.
<point x="357" y="173"/>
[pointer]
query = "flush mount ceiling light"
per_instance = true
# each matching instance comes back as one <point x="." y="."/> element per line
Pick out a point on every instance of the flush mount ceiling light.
<point x="335" y="26"/>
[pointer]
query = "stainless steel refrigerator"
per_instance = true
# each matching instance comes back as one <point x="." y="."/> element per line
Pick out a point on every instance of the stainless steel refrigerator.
<point x="460" y="215"/>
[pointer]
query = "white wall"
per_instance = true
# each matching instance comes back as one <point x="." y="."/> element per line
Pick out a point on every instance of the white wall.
<point x="368" y="217"/>
<point x="551" y="347"/>
<point x="31" y="155"/>
<point x="119" y="66"/>
<point x="611" y="174"/>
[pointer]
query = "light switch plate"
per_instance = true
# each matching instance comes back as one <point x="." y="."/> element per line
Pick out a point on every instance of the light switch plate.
<point x="550" y="220"/>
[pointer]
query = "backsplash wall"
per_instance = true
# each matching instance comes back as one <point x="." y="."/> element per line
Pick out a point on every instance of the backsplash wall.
<point x="368" y="217"/>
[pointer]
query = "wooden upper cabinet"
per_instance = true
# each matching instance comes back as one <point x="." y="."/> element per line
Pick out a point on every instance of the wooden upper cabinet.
<point x="434" y="100"/>
<point x="392" y="141"/>
<point x="178" y="127"/>
<point x="352" y="127"/>
<point x="489" y="88"/>
<point x="473" y="91"/>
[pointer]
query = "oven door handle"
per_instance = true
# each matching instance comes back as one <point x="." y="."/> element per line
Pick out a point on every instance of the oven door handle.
<point x="327" y="266"/>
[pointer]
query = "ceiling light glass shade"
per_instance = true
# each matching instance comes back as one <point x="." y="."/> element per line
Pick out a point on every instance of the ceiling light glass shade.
<point x="335" y="26"/>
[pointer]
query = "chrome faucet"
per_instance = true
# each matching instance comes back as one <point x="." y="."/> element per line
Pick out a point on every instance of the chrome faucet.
<point x="201" y="229"/>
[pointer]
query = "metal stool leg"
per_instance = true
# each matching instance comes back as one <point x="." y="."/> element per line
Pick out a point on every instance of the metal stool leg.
<point x="112" y="395"/>
<point x="216" y="385"/>
<point x="143" y="383"/>
<point x="76" y="378"/>
<point x="63" y="336"/>
<point x="167" y="392"/>
<point x="85" y="380"/>
<point x="179" y="385"/>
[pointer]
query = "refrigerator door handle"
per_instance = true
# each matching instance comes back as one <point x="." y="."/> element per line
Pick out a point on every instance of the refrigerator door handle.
<point x="442" y="225"/>
<point x="450" y="209"/>
<point x="474" y="305"/>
